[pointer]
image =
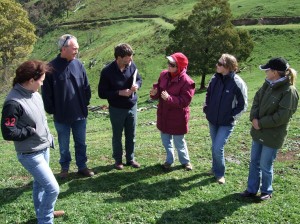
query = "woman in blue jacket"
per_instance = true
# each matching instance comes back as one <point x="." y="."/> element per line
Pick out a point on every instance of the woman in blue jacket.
<point x="226" y="99"/>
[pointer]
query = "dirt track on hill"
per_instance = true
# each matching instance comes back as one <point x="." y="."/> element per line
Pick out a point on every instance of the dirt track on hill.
<point x="236" y="22"/>
<point x="267" y="21"/>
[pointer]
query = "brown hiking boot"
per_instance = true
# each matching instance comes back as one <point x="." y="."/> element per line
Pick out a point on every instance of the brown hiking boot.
<point x="134" y="164"/>
<point x="63" y="174"/>
<point x="119" y="166"/>
<point x="58" y="213"/>
<point x="86" y="172"/>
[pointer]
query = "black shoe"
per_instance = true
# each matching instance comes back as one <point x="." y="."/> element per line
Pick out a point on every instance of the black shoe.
<point x="265" y="196"/>
<point x="166" y="166"/>
<point x="247" y="194"/>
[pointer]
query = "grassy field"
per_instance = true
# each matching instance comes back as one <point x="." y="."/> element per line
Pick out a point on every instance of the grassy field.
<point x="264" y="8"/>
<point x="148" y="194"/>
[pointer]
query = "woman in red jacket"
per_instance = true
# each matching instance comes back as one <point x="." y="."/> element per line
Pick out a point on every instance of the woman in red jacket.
<point x="174" y="91"/>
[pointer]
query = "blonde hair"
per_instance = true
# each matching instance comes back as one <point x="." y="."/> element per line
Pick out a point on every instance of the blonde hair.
<point x="230" y="62"/>
<point x="290" y="73"/>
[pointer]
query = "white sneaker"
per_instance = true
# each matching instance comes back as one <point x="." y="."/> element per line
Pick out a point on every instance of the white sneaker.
<point x="221" y="180"/>
<point x="188" y="166"/>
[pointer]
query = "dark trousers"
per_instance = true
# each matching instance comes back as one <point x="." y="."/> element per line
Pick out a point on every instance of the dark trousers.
<point x="123" y="119"/>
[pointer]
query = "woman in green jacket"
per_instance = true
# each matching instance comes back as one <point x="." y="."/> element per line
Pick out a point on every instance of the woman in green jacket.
<point x="273" y="106"/>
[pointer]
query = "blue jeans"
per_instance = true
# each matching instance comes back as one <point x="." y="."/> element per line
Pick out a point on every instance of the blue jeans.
<point x="219" y="137"/>
<point x="45" y="186"/>
<point x="180" y="145"/>
<point x="79" y="135"/>
<point x="123" y="119"/>
<point x="261" y="168"/>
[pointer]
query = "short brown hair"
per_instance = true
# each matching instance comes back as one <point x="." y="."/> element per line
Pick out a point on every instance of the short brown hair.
<point x="32" y="69"/>
<point x="122" y="50"/>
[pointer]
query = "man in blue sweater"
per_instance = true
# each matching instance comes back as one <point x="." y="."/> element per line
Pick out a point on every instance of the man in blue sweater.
<point x="118" y="83"/>
<point x="66" y="94"/>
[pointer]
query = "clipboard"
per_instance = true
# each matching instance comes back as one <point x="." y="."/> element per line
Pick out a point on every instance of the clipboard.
<point x="134" y="79"/>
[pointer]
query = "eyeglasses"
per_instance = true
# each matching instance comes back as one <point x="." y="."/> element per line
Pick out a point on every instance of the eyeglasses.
<point x="220" y="64"/>
<point x="171" y="65"/>
<point x="67" y="38"/>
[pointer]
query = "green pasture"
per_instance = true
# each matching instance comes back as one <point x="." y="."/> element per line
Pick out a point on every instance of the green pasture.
<point x="264" y="8"/>
<point x="148" y="194"/>
<point x="176" y="9"/>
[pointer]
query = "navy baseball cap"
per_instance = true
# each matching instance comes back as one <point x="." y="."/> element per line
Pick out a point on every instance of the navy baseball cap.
<point x="278" y="64"/>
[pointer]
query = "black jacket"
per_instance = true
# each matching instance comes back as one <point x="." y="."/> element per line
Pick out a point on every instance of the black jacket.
<point x="66" y="91"/>
<point x="112" y="80"/>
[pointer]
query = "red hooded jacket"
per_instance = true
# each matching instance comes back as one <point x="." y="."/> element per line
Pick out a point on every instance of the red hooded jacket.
<point x="173" y="114"/>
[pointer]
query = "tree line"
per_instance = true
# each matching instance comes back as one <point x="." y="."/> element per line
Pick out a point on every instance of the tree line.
<point x="43" y="12"/>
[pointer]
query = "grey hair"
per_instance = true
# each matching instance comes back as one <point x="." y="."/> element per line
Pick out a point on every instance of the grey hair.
<point x="64" y="40"/>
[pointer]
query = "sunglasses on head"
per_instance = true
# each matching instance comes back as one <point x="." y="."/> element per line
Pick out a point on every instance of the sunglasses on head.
<point x="220" y="64"/>
<point x="171" y="64"/>
<point x="67" y="38"/>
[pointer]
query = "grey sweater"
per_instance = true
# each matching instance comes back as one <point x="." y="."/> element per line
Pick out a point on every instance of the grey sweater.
<point x="24" y="121"/>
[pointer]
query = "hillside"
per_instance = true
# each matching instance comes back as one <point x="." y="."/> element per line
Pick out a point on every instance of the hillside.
<point x="149" y="34"/>
<point x="176" y="9"/>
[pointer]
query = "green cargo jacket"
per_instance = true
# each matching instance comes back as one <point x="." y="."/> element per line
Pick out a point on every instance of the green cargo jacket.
<point x="273" y="106"/>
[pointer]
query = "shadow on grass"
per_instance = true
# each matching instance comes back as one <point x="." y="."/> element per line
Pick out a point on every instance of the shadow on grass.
<point x="31" y="221"/>
<point x="128" y="183"/>
<point x="9" y="195"/>
<point x="161" y="190"/>
<point x="214" y="211"/>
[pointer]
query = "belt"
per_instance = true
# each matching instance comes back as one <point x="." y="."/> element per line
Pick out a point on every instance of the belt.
<point x="27" y="153"/>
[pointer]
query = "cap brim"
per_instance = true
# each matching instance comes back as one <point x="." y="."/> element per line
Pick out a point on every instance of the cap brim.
<point x="171" y="59"/>
<point x="264" y="67"/>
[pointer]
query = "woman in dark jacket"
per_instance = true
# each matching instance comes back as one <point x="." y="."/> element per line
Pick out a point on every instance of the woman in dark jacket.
<point x="174" y="90"/>
<point x="226" y="99"/>
<point x="273" y="106"/>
